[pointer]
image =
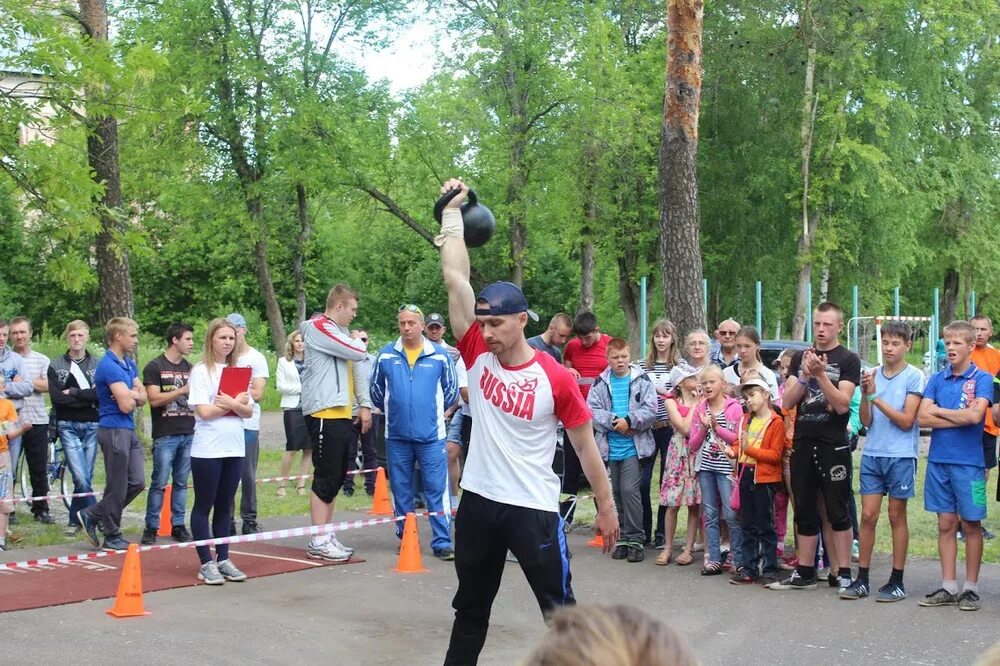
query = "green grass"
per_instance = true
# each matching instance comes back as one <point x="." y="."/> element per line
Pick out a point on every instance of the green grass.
<point x="923" y="525"/>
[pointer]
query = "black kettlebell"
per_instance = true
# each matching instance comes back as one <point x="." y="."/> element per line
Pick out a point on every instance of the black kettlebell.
<point x="478" y="219"/>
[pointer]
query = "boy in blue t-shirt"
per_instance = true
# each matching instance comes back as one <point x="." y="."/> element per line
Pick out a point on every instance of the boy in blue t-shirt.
<point x="954" y="407"/>
<point x="119" y="393"/>
<point x="890" y="398"/>
<point x="624" y="404"/>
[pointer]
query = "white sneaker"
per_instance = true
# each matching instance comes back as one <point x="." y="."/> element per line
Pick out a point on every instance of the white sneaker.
<point x="336" y="542"/>
<point x="327" y="550"/>
<point x="229" y="571"/>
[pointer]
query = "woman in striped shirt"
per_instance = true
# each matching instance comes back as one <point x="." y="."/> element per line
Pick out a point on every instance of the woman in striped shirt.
<point x="663" y="356"/>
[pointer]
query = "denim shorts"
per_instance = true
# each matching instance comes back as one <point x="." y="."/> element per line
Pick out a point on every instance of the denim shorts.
<point x="895" y="477"/>
<point x="961" y="489"/>
<point x="455" y="428"/>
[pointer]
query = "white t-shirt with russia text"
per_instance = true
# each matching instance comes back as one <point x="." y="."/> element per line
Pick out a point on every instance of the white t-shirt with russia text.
<point x="213" y="438"/>
<point x="515" y="412"/>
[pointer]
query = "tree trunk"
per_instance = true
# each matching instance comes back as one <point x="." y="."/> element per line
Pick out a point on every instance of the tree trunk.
<point x="263" y="272"/>
<point x="587" y="263"/>
<point x="628" y="293"/>
<point x="680" y="243"/>
<point x="949" y="297"/>
<point x="810" y="223"/>
<point x="113" y="271"/>
<point x="298" y="259"/>
<point x="515" y="203"/>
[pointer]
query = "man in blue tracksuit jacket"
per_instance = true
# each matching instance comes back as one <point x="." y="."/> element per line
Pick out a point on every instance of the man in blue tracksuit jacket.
<point x="413" y="383"/>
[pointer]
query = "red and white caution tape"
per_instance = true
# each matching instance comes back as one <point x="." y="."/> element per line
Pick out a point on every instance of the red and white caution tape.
<point x="271" y="479"/>
<point x="53" y="497"/>
<point x="243" y="538"/>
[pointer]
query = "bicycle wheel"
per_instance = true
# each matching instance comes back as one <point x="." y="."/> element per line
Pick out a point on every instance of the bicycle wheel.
<point x="64" y="482"/>
<point x="22" y="474"/>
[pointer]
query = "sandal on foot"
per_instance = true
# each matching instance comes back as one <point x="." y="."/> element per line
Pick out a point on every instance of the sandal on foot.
<point x="663" y="558"/>
<point x="280" y="492"/>
<point x="684" y="559"/>
<point x="711" y="569"/>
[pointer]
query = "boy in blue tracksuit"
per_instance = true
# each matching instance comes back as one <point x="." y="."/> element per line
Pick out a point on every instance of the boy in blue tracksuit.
<point x="413" y="383"/>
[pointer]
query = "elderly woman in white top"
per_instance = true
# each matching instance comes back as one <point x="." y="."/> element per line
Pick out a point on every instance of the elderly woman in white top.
<point x="296" y="434"/>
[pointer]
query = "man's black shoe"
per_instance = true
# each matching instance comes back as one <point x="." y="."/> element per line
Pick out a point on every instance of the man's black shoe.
<point x="148" y="536"/>
<point x="252" y="527"/>
<point x="180" y="534"/>
<point x="89" y="528"/>
<point x="44" y="517"/>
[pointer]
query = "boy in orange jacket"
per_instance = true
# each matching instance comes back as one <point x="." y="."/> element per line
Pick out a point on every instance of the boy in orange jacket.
<point x="10" y="428"/>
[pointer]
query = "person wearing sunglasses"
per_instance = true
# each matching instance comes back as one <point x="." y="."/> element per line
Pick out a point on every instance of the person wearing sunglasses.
<point x="724" y="354"/>
<point x="517" y="396"/>
<point x="413" y="383"/>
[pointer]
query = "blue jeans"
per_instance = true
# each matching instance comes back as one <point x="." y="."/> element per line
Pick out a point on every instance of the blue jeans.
<point x="170" y="453"/>
<point x="79" y="442"/>
<point x="716" y="488"/>
<point x="402" y="455"/>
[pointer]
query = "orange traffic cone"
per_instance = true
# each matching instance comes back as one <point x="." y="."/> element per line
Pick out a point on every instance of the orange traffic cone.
<point x="596" y="542"/>
<point x="382" y="505"/>
<point x="128" y="601"/>
<point x="409" y="551"/>
<point x="165" y="525"/>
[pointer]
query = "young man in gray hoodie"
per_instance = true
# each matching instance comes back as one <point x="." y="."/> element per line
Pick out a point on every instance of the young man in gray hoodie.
<point x="331" y="380"/>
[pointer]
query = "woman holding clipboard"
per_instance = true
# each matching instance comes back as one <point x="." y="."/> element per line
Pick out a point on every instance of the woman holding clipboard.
<point x="220" y="398"/>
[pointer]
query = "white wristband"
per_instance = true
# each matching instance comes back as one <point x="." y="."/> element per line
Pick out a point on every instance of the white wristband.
<point x="452" y="226"/>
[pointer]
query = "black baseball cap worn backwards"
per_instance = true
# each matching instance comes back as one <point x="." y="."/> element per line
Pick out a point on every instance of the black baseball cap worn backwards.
<point x="502" y="298"/>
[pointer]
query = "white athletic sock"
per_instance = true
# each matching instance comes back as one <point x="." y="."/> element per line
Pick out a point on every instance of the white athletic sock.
<point x="971" y="586"/>
<point x="452" y="226"/>
<point x="950" y="585"/>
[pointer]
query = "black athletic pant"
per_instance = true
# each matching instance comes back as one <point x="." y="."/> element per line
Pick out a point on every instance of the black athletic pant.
<point x="369" y="457"/>
<point x="35" y="444"/>
<point x="484" y="531"/>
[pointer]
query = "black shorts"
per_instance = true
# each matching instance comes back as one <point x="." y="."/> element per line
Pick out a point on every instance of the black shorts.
<point x="297" y="436"/>
<point x="331" y="439"/>
<point x="989" y="450"/>
<point x="821" y="468"/>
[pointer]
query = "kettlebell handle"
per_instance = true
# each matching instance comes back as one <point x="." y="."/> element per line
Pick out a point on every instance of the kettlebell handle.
<point x="440" y="204"/>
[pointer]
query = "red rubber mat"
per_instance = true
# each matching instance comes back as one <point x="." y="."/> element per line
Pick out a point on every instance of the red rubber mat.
<point x="55" y="584"/>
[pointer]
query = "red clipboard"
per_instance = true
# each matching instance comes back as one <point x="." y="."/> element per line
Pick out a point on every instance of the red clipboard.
<point x="233" y="382"/>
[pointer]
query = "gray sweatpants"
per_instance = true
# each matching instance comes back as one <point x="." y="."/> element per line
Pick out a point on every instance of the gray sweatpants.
<point x="123" y="467"/>
<point x="625" y="477"/>
<point x="248" y="479"/>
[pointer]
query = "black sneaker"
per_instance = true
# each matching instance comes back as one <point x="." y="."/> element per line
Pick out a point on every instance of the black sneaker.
<point x="769" y="577"/>
<point x="180" y="534"/>
<point x="148" y="536"/>
<point x="252" y="527"/>
<point x="13" y="519"/>
<point x="891" y="592"/>
<point x="348" y="491"/>
<point x="940" y="597"/>
<point x="115" y="543"/>
<point x="968" y="601"/>
<point x="856" y="590"/>
<point x="620" y="552"/>
<point x="444" y="554"/>
<point x="45" y="518"/>
<point x="370" y="492"/>
<point x="987" y="534"/>
<point x="743" y="577"/>
<point x="636" y="554"/>
<point x="89" y="528"/>
<point x="659" y="542"/>
<point x="794" y="582"/>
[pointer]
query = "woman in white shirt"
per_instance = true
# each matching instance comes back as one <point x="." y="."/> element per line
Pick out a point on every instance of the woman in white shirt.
<point x="290" y="388"/>
<point x="217" y="451"/>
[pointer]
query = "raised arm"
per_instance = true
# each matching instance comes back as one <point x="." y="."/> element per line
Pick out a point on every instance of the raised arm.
<point x="455" y="261"/>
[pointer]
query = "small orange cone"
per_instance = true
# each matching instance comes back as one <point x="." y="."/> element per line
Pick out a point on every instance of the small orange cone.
<point x="165" y="525"/>
<point x="382" y="505"/>
<point x="128" y="601"/>
<point x="596" y="542"/>
<point x="409" y="551"/>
